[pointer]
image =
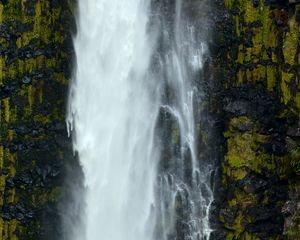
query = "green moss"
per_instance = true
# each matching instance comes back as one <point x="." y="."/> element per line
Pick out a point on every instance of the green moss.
<point x="248" y="236"/>
<point x="6" y="109"/>
<point x="271" y="78"/>
<point x="243" y="151"/>
<point x="268" y="32"/>
<point x="238" y="222"/>
<point x="238" y="174"/>
<point x="2" y="65"/>
<point x="291" y="42"/>
<point x="42" y="118"/>
<point x="1" y="13"/>
<point x="251" y="13"/>
<point x="228" y="3"/>
<point x="11" y="11"/>
<point x="244" y="199"/>
<point x="259" y="73"/>
<point x="259" y="61"/>
<point x="286" y="92"/>
<point x="294" y="156"/>
<point x="48" y="28"/>
<point x="51" y="195"/>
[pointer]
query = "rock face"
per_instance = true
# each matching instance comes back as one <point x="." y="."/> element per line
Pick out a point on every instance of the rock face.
<point x="35" y="66"/>
<point x="258" y="50"/>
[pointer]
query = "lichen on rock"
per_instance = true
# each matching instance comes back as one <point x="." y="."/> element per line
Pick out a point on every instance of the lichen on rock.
<point x="35" y="57"/>
<point x="261" y="105"/>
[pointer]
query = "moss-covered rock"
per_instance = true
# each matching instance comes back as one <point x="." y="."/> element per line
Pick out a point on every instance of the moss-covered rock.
<point x="260" y="55"/>
<point x="35" y="66"/>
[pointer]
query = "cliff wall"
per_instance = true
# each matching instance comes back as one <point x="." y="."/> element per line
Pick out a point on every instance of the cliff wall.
<point x="259" y="54"/>
<point x="35" y="66"/>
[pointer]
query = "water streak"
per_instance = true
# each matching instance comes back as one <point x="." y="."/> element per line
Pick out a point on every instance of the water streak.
<point x="185" y="193"/>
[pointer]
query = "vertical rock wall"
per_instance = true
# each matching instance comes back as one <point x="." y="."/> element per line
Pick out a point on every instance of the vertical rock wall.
<point x="259" y="48"/>
<point x="35" y="66"/>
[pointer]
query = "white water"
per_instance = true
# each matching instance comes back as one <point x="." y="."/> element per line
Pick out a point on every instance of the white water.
<point x="114" y="105"/>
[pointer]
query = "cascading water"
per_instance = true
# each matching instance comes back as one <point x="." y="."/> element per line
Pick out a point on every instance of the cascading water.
<point x="185" y="194"/>
<point x="133" y="110"/>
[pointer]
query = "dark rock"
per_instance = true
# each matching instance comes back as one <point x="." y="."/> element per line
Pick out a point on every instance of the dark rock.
<point x="10" y="182"/>
<point x="293" y="131"/>
<point x="24" y="179"/>
<point x="276" y="2"/>
<point x="21" y="129"/>
<point x="26" y="80"/>
<point x="267" y="220"/>
<point x="229" y="214"/>
<point x="4" y="1"/>
<point x="294" y="1"/>
<point x="245" y="127"/>
<point x="238" y="108"/>
<point x="255" y="3"/>
<point x="289" y="208"/>
<point x="218" y="235"/>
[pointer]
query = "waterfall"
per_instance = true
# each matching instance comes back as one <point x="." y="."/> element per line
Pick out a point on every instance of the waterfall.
<point x="133" y="114"/>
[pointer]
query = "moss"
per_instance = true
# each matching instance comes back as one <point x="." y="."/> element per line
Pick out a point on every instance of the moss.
<point x="2" y="64"/>
<point x="11" y="11"/>
<point x="291" y="42"/>
<point x="6" y="109"/>
<point x="268" y="31"/>
<point x="271" y="78"/>
<point x="228" y="3"/>
<point x="265" y="54"/>
<point x="24" y="103"/>
<point x="30" y="96"/>
<point x="248" y="236"/>
<point x="244" y="199"/>
<point x="1" y="13"/>
<point x="251" y="13"/>
<point x="294" y="157"/>
<point x="238" y="174"/>
<point x="259" y="73"/>
<point x="243" y="151"/>
<point x="286" y="92"/>
<point x="240" y="58"/>
<point x="10" y="230"/>
<point x="297" y="102"/>
<point x="37" y="17"/>
<point x="11" y="134"/>
<point x="42" y="118"/>
<point x="240" y="77"/>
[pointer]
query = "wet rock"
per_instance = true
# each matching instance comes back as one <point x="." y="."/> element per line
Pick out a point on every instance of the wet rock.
<point x="218" y="235"/>
<point x="289" y="208"/>
<point x="237" y="108"/>
<point x="293" y="131"/>
<point x="10" y="182"/>
<point x="21" y="129"/>
<point x="294" y="1"/>
<point x="6" y="90"/>
<point x="23" y="179"/>
<point x="245" y="127"/>
<point x="4" y="2"/>
<point x="229" y="215"/>
<point x="255" y="3"/>
<point x="26" y="80"/>
<point x="267" y="221"/>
